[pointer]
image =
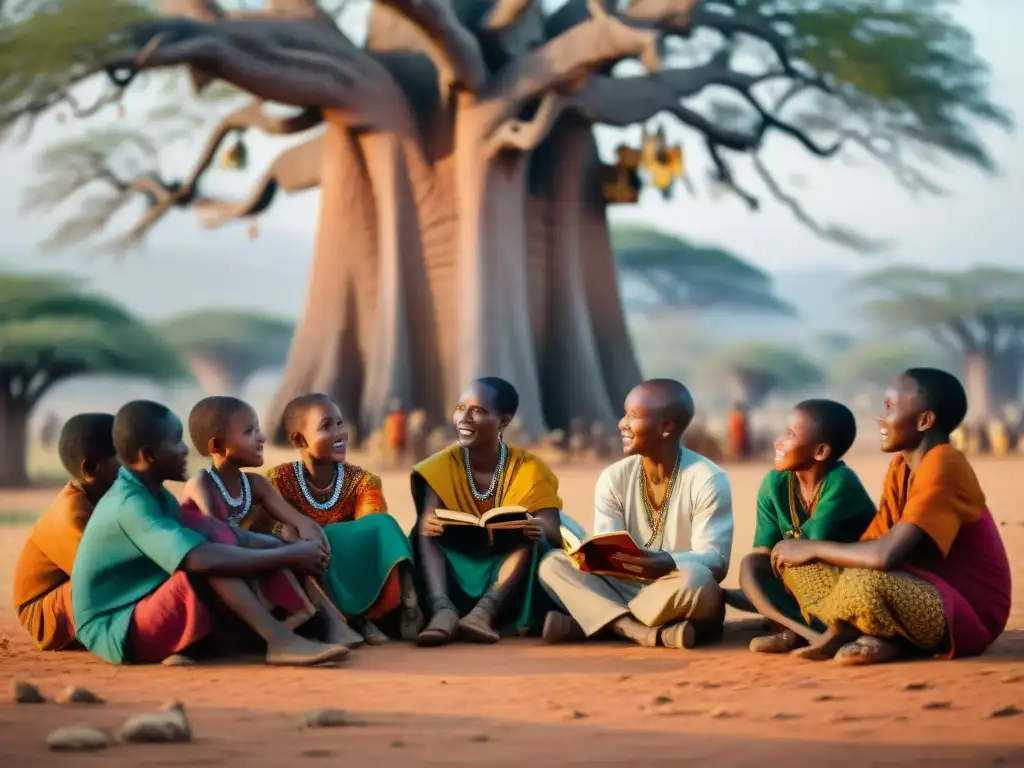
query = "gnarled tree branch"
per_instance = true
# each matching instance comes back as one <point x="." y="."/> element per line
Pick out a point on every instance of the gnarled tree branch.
<point x="524" y="135"/>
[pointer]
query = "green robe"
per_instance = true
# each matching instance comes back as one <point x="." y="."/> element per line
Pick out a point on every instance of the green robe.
<point x="843" y="512"/>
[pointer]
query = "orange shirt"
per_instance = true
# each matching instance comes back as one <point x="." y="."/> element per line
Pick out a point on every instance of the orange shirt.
<point x="394" y="430"/>
<point x="938" y="498"/>
<point x="45" y="563"/>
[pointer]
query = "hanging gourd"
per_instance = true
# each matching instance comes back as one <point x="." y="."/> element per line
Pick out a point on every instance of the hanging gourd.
<point x="237" y="156"/>
<point x="620" y="183"/>
<point x="663" y="163"/>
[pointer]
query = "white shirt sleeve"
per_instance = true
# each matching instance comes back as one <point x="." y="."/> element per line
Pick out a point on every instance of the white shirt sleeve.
<point x="711" y="527"/>
<point x="609" y="511"/>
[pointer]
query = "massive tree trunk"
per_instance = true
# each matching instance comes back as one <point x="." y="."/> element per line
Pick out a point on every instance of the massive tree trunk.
<point x="214" y="377"/>
<point x="14" y="415"/>
<point x="992" y="380"/>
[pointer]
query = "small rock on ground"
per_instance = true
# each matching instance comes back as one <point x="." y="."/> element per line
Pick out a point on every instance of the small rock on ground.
<point x="25" y="693"/>
<point x="179" y="660"/>
<point x="573" y="714"/>
<point x="1011" y="710"/>
<point x="720" y="713"/>
<point x="169" y="725"/>
<point x="328" y="718"/>
<point x="917" y="686"/>
<point x="938" y="705"/>
<point x="78" y="738"/>
<point x="76" y="694"/>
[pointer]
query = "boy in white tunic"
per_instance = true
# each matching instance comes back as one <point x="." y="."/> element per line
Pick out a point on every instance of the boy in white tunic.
<point x="674" y="503"/>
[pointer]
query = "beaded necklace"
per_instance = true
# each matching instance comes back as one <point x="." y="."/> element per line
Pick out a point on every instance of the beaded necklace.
<point x="656" y="517"/>
<point x="335" y="487"/>
<point x="794" y="514"/>
<point x="498" y="470"/>
<point x="238" y="507"/>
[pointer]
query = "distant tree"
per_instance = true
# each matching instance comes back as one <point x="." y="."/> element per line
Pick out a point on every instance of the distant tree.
<point x="669" y="273"/>
<point x="870" y="366"/>
<point x="50" y="332"/>
<point x="976" y="314"/>
<point x="225" y="347"/>
<point x="753" y="370"/>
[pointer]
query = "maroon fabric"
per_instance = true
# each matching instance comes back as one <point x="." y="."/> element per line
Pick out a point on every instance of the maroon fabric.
<point x="167" y="621"/>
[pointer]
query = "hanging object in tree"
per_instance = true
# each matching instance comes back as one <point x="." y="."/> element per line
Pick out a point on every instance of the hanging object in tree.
<point x="253" y="230"/>
<point x="237" y="156"/>
<point x="621" y="182"/>
<point x="662" y="162"/>
<point x="120" y="112"/>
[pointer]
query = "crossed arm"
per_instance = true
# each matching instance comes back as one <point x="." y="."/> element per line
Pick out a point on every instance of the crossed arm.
<point x="885" y="553"/>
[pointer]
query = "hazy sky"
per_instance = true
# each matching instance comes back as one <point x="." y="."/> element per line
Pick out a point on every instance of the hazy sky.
<point x="979" y="222"/>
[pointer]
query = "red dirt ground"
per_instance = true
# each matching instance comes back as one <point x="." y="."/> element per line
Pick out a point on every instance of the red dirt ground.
<point x="523" y="702"/>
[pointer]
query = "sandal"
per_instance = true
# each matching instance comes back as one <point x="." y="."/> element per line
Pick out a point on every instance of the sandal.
<point x="442" y="627"/>
<point x="867" y="650"/>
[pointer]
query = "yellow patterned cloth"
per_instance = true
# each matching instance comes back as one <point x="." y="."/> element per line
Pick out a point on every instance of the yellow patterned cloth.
<point x="877" y="603"/>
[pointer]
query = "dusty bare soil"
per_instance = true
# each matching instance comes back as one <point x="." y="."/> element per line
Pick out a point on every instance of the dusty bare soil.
<point x="521" y="701"/>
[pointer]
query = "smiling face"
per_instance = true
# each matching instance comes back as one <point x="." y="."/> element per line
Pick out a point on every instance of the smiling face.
<point x="642" y="427"/>
<point x="242" y="438"/>
<point x="902" y="424"/>
<point x="324" y="436"/>
<point x="168" y="459"/>
<point x="798" y="447"/>
<point x="476" y="420"/>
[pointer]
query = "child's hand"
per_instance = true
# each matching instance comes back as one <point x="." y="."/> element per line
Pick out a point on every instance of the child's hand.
<point x="310" y="531"/>
<point x="289" y="534"/>
<point x="431" y="525"/>
<point x="309" y="558"/>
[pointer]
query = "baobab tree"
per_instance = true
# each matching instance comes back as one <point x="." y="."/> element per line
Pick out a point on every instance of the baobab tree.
<point x="462" y="226"/>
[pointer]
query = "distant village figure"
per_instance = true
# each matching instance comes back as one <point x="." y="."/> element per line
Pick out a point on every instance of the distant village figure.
<point x="739" y="433"/>
<point x="958" y="438"/>
<point x="515" y="435"/>
<point x="600" y="443"/>
<point x="394" y="434"/>
<point x="998" y="437"/>
<point x="577" y="440"/>
<point x="437" y="441"/>
<point x="549" y="447"/>
<point x="417" y="436"/>
<point x="976" y="438"/>
<point x="49" y="430"/>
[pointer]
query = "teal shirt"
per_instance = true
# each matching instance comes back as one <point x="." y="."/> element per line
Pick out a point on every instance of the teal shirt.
<point x="134" y="543"/>
<point x="843" y="512"/>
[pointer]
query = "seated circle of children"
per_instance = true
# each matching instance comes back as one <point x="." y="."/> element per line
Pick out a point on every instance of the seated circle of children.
<point x="370" y="574"/>
<point x="810" y="494"/>
<point x="42" y="576"/>
<point x="218" y="502"/>
<point x="147" y="587"/>
<point x="930" y="575"/>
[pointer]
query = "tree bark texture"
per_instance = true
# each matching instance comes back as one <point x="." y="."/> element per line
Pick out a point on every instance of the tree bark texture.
<point x="14" y="416"/>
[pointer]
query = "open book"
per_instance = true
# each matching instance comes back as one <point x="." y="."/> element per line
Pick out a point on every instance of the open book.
<point x="608" y="554"/>
<point x="499" y="517"/>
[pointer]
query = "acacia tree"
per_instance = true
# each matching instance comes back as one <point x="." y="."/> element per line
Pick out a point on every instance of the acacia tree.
<point x="462" y="227"/>
<point x="672" y="274"/>
<point x="754" y="370"/>
<point x="51" y="332"/>
<point x="224" y="347"/>
<point x="976" y="314"/>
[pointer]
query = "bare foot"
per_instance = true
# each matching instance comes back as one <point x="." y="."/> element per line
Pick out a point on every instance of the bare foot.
<point x="868" y="650"/>
<point x="682" y="634"/>
<point x="780" y="642"/>
<point x="631" y="629"/>
<point x="440" y="630"/>
<point x="477" y="626"/>
<point x="299" y="652"/>
<point x="371" y="632"/>
<point x="179" y="660"/>
<point x="410" y="621"/>
<point x="559" y="627"/>
<point x="340" y="633"/>
<point x="828" y="645"/>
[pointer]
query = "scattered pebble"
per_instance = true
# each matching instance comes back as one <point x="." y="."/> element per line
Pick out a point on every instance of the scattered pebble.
<point x="444" y="682"/>
<point x="573" y="714"/>
<point x="169" y="725"/>
<point x="479" y="738"/>
<point x="397" y="744"/>
<point x="842" y="717"/>
<point x="938" y="705"/>
<point x="328" y="718"/>
<point x="623" y="678"/>
<point x="661" y="700"/>
<point x="76" y="694"/>
<point x="783" y="716"/>
<point x="179" y="660"/>
<point x="25" y="693"/>
<point x="315" y="753"/>
<point x="1012" y="677"/>
<point x="917" y="686"/>
<point x="78" y="738"/>
<point x="825" y="697"/>
<point x="1010" y="710"/>
<point x="720" y="713"/>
